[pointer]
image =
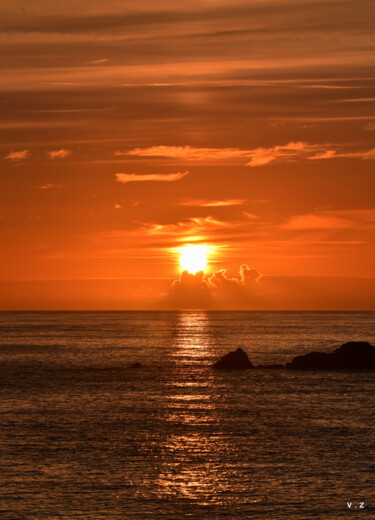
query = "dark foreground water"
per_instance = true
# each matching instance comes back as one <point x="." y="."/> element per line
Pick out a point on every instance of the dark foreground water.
<point x="82" y="436"/>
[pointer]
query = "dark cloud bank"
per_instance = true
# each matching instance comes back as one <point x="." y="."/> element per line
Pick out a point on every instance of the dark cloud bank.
<point x="216" y="290"/>
<point x="219" y="291"/>
<point x="249" y="290"/>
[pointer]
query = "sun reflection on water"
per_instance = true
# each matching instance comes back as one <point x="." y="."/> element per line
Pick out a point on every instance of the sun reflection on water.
<point x="192" y="341"/>
<point x="195" y="470"/>
<point x="190" y="465"/>
<point x="196" y="461"/>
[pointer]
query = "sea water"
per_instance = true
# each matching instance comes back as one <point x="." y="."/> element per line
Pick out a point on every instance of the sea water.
<point x="84" y="436"/>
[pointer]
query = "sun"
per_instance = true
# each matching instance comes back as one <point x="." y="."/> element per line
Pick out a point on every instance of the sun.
<point x="194" y="258"/>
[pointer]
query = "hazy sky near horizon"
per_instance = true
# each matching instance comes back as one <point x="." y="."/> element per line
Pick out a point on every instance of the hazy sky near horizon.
<point x="129" y="129"/>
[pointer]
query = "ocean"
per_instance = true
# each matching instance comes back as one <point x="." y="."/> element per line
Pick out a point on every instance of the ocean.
<point x="84" y="436"/>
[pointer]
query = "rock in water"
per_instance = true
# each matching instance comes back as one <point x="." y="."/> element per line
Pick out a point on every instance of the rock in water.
<point x="136" y="365"/>
<point x="235" y="360"/>
<point x="355" y="355"/>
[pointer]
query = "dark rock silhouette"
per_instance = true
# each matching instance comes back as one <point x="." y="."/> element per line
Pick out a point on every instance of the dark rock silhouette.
<point x="136" y="365"/>
<point x="355" y="355"/>
<point x="271" y="367"/>
<point x="235" y="360"/>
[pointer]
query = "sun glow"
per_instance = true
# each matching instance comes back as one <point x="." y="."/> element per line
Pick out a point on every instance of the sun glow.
<point x="194" y="258"/>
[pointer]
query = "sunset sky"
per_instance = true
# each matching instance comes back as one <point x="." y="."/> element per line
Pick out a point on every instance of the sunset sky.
<point x="130" y="129"/>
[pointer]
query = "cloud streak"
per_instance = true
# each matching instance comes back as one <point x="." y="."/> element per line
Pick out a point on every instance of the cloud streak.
<point x="331" y="220"/>
<point x="59" y="154"/>
<point x="195" y="226"/>
<point x="212" y="203"/>
<point x="368" y="155"/>
<point x="20" y="155"/>
<point x="260" y="156"/>
<point x="150" y="177"/>
<point x="316" y="222"/>
<point x="49" y="186"/>
<point x="188" y="153"/>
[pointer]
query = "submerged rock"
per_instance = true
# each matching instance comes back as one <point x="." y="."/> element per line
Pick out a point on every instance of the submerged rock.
<point x="235" y="360"/>
<point x="136" y="365"/>
<point x="355" y="355"/>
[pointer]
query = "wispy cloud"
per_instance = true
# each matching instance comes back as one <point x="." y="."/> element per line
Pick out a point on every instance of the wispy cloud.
<point x="193" y="226"/>
<point x="18" y="156"/>
<point x="351" y="100"/>
<point x="258" y="156"/>
<point x="290" y="151"/>
<point x="331" y="220"/>
<point x="150" y="177"/>
<point x="316" y="222"/>
<point x="250" y="216"/>
<point x="49" y="186"/>
<point x="333" y="154"/>
<point x="59" y="154"/>
<point x="212" y="203"/>
<point x="328" y="154"/>
<point x="369" y="155"/>
<point x="186" y="152"/>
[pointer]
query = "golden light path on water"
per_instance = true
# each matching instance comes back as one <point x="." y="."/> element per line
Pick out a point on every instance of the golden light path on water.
<point x="191" y="466"/>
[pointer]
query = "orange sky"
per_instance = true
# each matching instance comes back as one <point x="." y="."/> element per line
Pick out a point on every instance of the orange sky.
<point x="129" y="129"/>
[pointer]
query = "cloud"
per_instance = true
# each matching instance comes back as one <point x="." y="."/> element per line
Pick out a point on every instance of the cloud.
<point x="117" y="206"/>
<point x="316" y="222"/>
<point x="190" y="289"/>
<point x="212" y="221"/>
<point x="59" y="154"/>
<point x="202" y="229"/>
<point x="361" y="218"/>
<point x="49" y="186"/>
<point x="258" y="156"/>
<point x="154" y="177"/>
<point x="290" y="151"/>
<point x="328" y="154"/>
<point x="186" y="152"/>
<point x="218" y="289"/>
<point x="370" y="127"/>
<point x="195" y="226"/>
<point x="212" y="203"/>
<point x="250" y="216"/>
<point x="332" y="154"/>
<point x="246" y="279"/>
<point x="18" y="156"/>
<point x="332" y="220"/>
<point x="370" y="155"/>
